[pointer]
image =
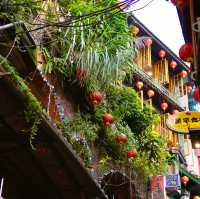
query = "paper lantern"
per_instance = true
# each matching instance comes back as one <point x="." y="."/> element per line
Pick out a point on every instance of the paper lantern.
<point x="121" y="138"/>
<point x="173" y="64"/>
<point x="186" y="52"/>
<point x="132" y="153"/>
<point x="163" y="106"/>
<point x="196" y="95"/>
<point x="175" y="111"/>
<point x="108" y="119"/>
<point x="148" y="42"/>
<point x="189" y="88"/>
<point x="150" y="93"/>
<point x="135" y="30"/>
<point x="95" y="97"/>
<point x="183" y="73"/>
<point x="180" y="3"/>
<point x="184" y="180"/>
<point x="139" y="85"/>
<point x="161" y="53"/>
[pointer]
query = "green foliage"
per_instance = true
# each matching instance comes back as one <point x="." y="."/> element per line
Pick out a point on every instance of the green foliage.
<point x="33" y="109"/>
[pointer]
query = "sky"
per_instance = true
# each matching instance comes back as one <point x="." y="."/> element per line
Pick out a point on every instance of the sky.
<point x="161" y="18"/>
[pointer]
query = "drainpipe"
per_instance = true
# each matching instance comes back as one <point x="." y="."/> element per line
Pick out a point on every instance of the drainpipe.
<point x="3" y="27"/>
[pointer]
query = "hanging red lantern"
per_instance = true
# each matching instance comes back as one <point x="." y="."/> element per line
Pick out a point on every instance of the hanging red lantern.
<point x="135" y="30"/>
<point x="175" y="111"/>
<point x="41" y="149"/>
<point x="139" y="85"/>
<point x="173" y="64"/>
<point x="132" y="153"/>
<point x="161" y="54"/>
<point x="184" y="180"/>
<point x="196" y="95"/>
<point x="148" y="42"/>
<point x="81" y="74"/>
<point x="189" y="88"/>
<point x="163" y="106"/>
<point x="186" y="52"/>
<point x="183" y="73"/>
<point x="150" y="93"/>
<point x="95" y="97"/>
<point x="180" y="3"/>
<point x="108" y="119"/>
<point x="121" y="138"/>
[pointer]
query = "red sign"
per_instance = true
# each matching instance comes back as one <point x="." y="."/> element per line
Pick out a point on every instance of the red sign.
<point x="158" y="187"/>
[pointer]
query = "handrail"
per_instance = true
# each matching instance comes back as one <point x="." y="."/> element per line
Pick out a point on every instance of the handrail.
<point x="161" y="89"/>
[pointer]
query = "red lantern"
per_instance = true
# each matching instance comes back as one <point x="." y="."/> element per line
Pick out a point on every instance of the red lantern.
<point x="132" y="153"/>
<point x="41" y="149"/>
<point x="108" y="119"/>
<point x="184" y="180"/>
<point x="81" y="74"/>
<point x="173" y="64"/>
<point x="175" y="111"/>
<point x="139" y="85"/>
<point x="180" y="3"/>
<point x="183" y="73"/>
<point x="161" y="53"/>
<point x="196" y="95"/>
<point x="121" y="138"/>
<point x="163" y="106"/>
<point x="189" y="88"/>
<point x="150" y="93"/>
<point x="186" y="52"/>
<point x="148" y="42"/>
<point x="95" y="97"/>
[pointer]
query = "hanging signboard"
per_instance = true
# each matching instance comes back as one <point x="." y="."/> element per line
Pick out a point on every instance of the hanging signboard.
<point x="173" y="181"/>
<point x="158" y="187"/>
<point x="184" y="121"/>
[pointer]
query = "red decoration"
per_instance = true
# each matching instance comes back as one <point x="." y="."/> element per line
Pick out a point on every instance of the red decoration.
<point x="132" y="153"/>
<point x="180" y="3"/>
<point x="108" y="119"/>
<point x="189" y="88"/>
<point x="161" y="53"/>
<point x="139" y="85"/>
<point x="135" y="30"/>
<point x="81" y="74"/>
<point x="173" y="64"/>
<point x="175" y="111"/>
<point x="148" y="42"/>
<point x="121" y="138"/>
<point x="184" y="180"/>
<point x="186" y="52"/>
<point x="41" y="149"/>
<point x="196" y="95"/>
<point x="183" y="73"/>
<point x="163" y="106"/>
<point x="150" y="93"/>
<point x="95" y="97"/>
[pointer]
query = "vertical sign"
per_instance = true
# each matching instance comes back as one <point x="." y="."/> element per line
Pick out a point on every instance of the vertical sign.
<point x="158" y="187"/>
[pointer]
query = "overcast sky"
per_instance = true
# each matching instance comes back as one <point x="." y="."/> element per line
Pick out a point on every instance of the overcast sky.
<point x="161" y="18"/>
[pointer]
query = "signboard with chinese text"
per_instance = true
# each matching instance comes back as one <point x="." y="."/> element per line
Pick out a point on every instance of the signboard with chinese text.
<point x="158" y="187"/>
<point x="173" y="181"/>
<point x="184" y="121"/>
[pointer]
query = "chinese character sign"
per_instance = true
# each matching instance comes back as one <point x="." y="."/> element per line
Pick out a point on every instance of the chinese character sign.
<point x="184" y="121"/>
<point x="158" y="187"/>
<point x="173" y="181"/>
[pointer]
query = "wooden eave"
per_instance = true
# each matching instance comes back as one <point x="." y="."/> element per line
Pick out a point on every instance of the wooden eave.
<point x="57" y="173"/>
<point x="158" y="45"/>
